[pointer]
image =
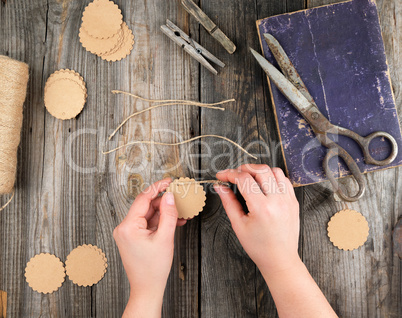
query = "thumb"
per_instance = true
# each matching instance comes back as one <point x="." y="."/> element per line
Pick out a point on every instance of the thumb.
<point x="231" y="205"/>
<point x="168" y="216"/>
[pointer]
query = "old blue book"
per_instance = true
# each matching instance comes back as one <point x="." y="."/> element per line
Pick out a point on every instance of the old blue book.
<point x="339" y="53"/>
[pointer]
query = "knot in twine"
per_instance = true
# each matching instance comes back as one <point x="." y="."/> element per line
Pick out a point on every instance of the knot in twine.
<point x="13" y="86"/>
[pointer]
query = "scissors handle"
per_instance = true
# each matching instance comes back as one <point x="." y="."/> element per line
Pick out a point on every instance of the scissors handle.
<point x="366" y="151"/>
<point x="337" y="151"/>
<point x="364" y="143"/>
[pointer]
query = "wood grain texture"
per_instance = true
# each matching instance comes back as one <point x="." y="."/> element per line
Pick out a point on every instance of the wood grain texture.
<point x="364" y="282"/>
<point x="68" y="193"/>
<point x="230" y="282"/>
<point x="269" y="134"/>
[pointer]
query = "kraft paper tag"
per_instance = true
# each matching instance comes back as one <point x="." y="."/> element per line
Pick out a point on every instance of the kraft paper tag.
<point x="45" y="273"/>
<point x="65" y="94"/>
<point x="102" y="19"/>
<point x="86" y="265"/>
<point x="348" y="229"/>
<point x="104" y="33"/>
<point x="189" y="197"/>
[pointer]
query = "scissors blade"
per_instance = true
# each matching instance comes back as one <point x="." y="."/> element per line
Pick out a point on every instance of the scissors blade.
<point x="287" y="66"/>
<point x="290" y="91"/>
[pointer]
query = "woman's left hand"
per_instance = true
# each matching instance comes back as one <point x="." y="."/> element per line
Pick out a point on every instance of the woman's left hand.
<point x="145" y="239"/>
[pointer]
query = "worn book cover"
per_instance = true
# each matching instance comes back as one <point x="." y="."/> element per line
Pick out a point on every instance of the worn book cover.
<point x="339" y="53"/>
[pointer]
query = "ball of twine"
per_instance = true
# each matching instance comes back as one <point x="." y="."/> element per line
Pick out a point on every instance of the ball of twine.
<point x="13" y="86"/>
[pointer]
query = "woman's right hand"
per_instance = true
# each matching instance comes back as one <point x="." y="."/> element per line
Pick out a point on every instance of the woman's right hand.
<point x="269" y="233"/>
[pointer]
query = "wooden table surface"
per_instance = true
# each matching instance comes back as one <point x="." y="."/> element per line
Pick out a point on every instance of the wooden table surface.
<point x="69" y="193"/>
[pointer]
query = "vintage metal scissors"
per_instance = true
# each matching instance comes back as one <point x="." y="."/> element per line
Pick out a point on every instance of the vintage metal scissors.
<point x="293" y="88"/>
<point x="190" y="46"/>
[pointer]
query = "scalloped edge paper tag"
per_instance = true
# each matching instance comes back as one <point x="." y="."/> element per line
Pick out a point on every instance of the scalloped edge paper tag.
<point x="86" y="265"/>
<point x="189" y="197"/>
<point x="348" y="229"/>
<point x="45" y="273"/>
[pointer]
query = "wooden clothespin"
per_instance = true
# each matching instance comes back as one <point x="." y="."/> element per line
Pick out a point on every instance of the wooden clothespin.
<point x="190" y="46"/>
<point x="210" y="26"/>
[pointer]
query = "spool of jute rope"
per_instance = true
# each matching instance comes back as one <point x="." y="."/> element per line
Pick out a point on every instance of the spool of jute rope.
<point x="13" y="86"/>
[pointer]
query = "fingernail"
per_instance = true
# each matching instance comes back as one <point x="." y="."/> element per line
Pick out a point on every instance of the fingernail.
<point x="169" y="198"/>
<point x="217" y="188"/>
<point x="223" y="171"/>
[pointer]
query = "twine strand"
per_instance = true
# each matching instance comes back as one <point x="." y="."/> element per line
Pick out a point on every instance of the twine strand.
<point x="189" y="102"/>
<point x="205" y="181"/>
<point x="165" y="102"/>
<point x="8" y="202"/>
<point x="179" y="103"/>
<point x="151" y="142"/>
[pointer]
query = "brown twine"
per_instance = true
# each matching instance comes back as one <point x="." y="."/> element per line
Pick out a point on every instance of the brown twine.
<point x="205" y="181"/>
<point x="13" y="86"/>
<point x="151" y="142"/>
<point x="189" y="102"/>
<point x="8" y="202"/>
<point x="165" y="102"/>
<point x="156" y="106"/>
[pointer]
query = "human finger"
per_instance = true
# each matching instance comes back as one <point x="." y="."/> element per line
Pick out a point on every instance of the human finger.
<point x="153" y="207"/>
<point x="142" y="203"/>
<point x="248" y="187"/>
<point x="284" y="184"/>
<point x="168" y="217"/>
<point x="230" y="203"/>
<point x="181" y="222"/>
<point x="154" y="215"/>
<point x="154" y="220"/>
<point x="263" y="175"/>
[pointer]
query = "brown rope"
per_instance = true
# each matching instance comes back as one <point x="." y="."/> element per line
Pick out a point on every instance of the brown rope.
<point x="206" y="181"/>
<point x="8" y="202"/>
<point x="172" y="100"/>
<point x="156" y="106"/>
<point x="151" y="142"/>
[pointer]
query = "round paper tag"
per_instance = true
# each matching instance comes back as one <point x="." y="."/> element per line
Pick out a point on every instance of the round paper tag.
<point x="102" y="19"/>
<point x="45" y="273"/>
<point x="189" y="197"/>
<point x="348" y="229"/>
<point x="85" y="265"/>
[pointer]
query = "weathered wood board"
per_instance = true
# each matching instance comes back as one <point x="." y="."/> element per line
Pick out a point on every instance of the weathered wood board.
<point x="365" y="282"/>
<point x="234" y="287"/>
<point x="68" y="193"/>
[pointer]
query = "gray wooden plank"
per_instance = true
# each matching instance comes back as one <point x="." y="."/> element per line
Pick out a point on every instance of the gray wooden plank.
<point x="269" y="134"/>
<point x="230" y="282"/>
<point x="152" y="72"/>
<point x="16" y="19"/>
<point x="68" y="192"/>
<point x="364" y="282"/>
<point x="64" y="206"/>
<point x="390" y="285"/>
<point x="182" y="291"/>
